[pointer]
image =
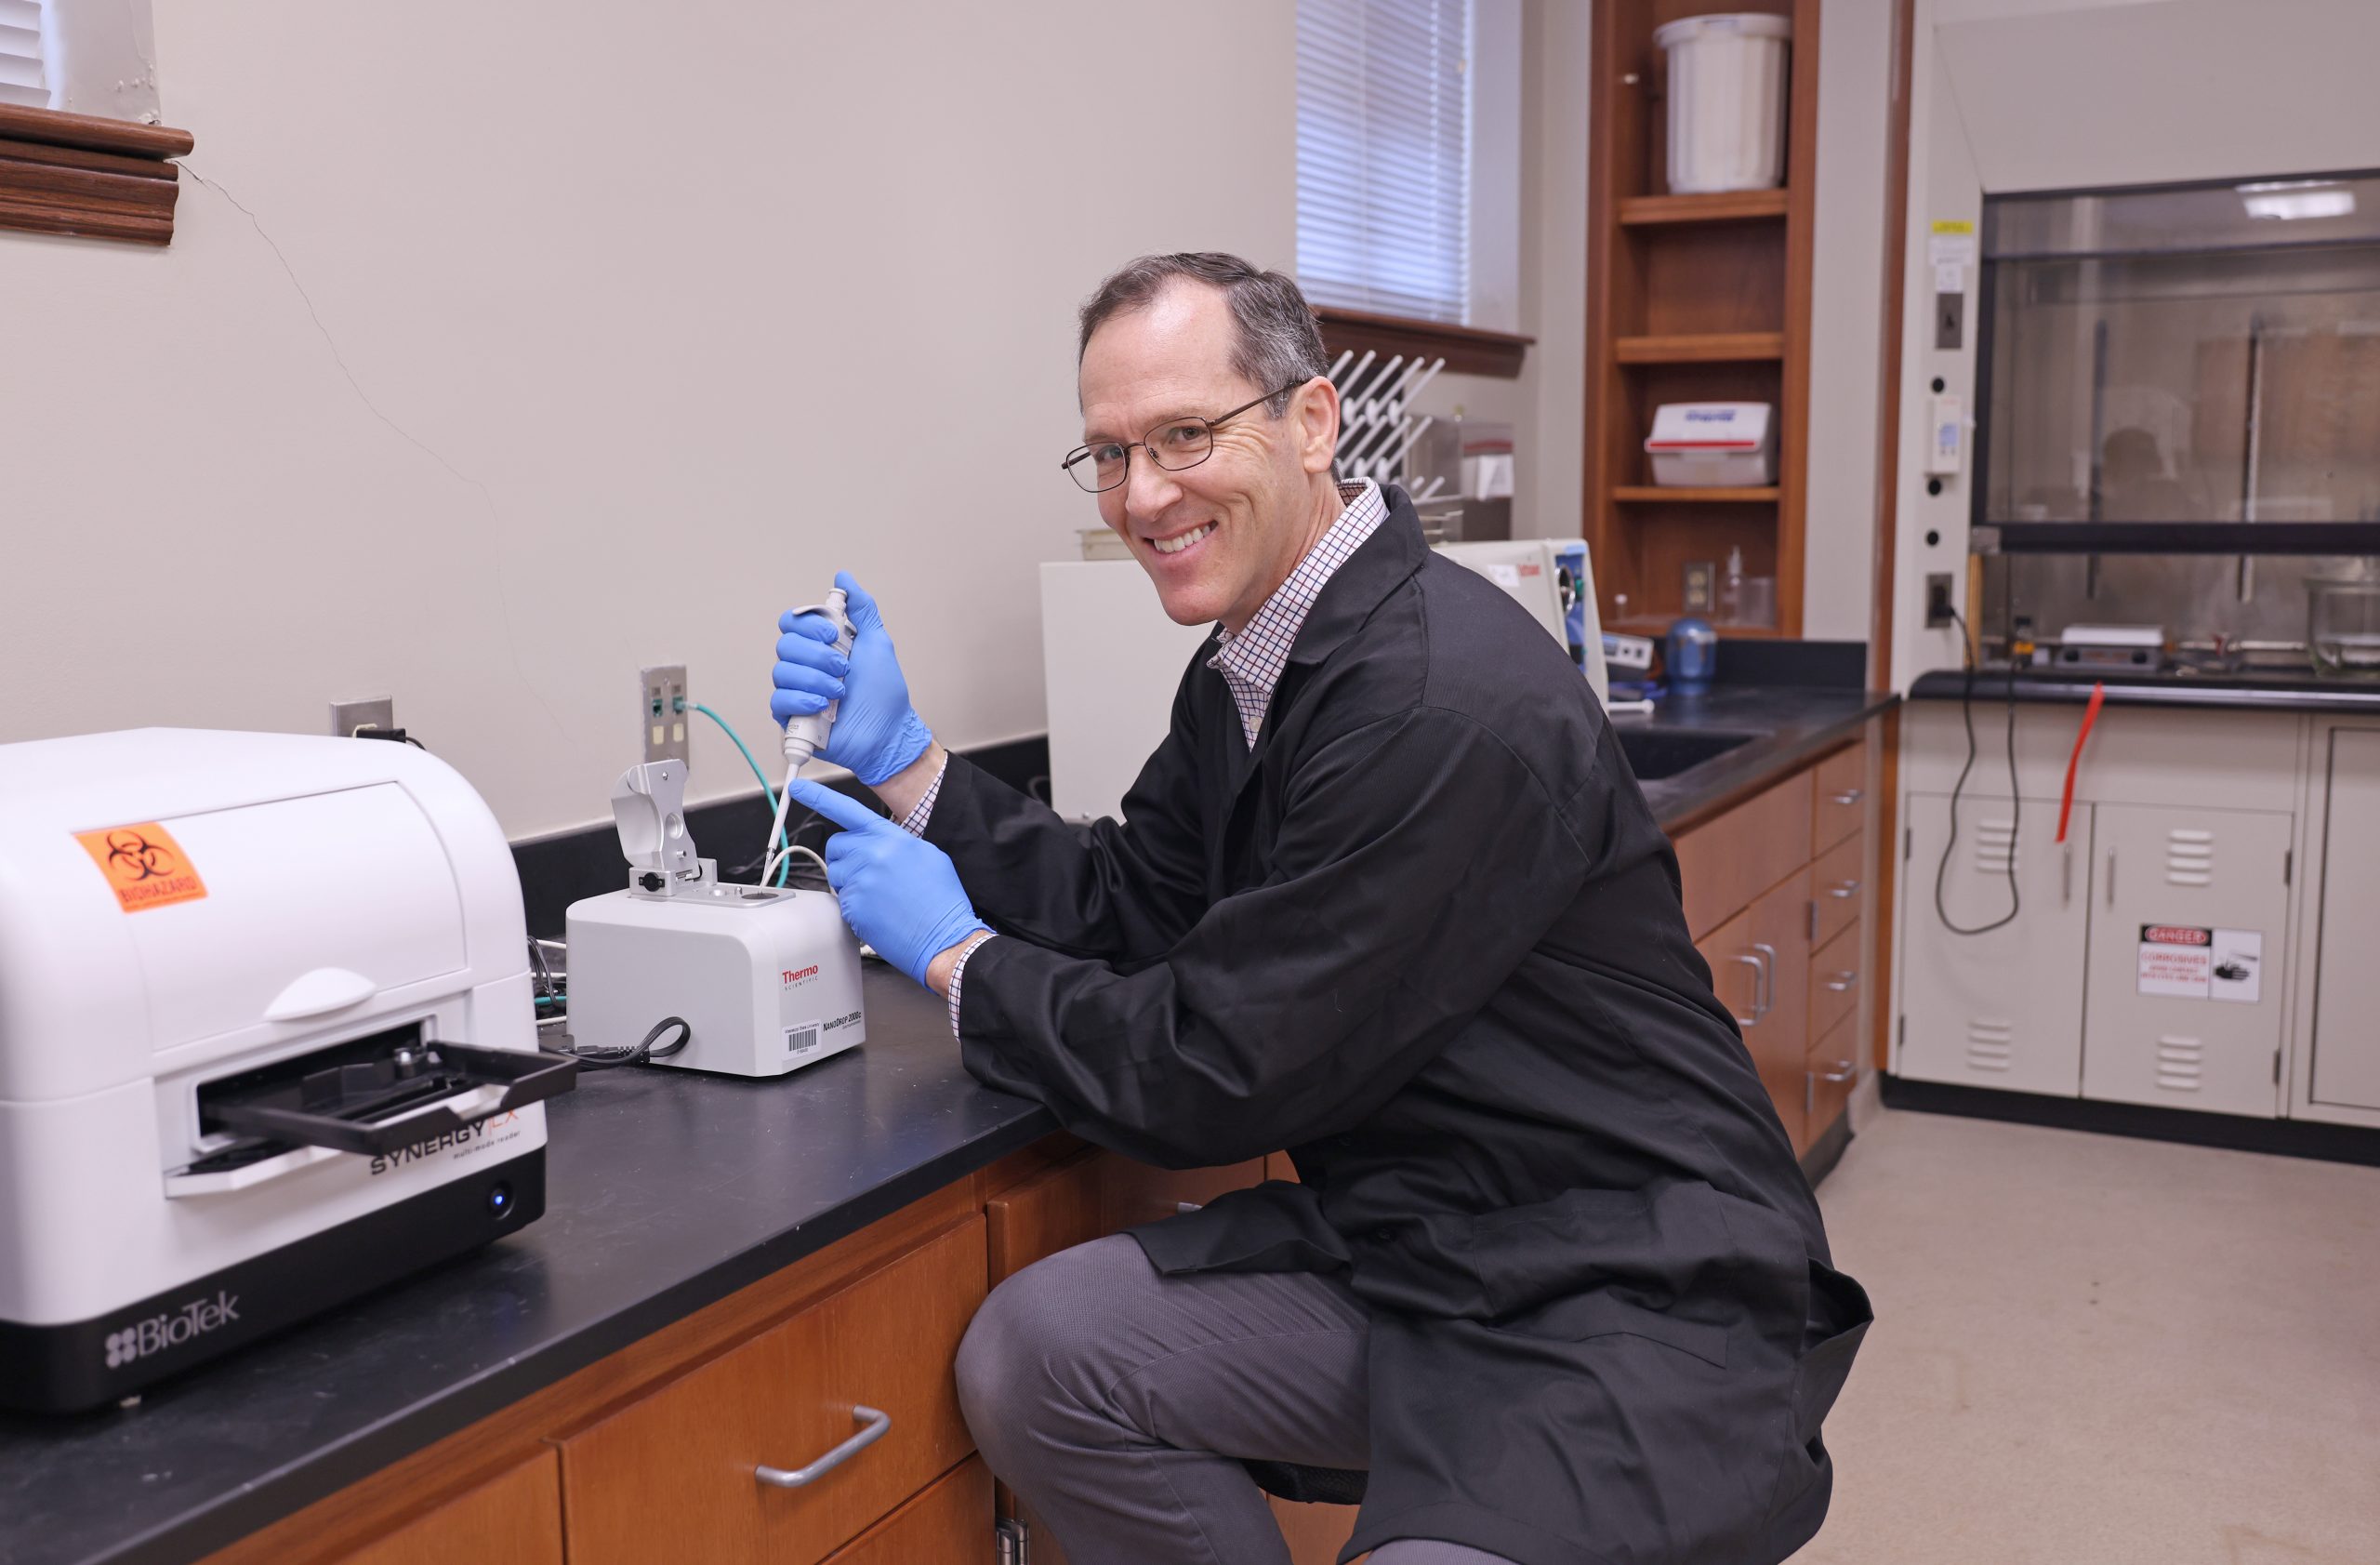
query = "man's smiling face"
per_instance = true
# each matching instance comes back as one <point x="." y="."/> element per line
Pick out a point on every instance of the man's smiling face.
<point x="1218" y="538"/>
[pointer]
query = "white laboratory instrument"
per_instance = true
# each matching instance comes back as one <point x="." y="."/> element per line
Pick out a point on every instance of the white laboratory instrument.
<point x="267" y="1041"/>
<point x="765" y="979"/>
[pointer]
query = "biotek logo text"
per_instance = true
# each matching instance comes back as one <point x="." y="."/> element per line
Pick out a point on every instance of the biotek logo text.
<point x="171" y="1329"/>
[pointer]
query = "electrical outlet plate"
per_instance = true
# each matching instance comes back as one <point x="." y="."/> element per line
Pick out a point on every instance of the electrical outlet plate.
<point x="664" y="709"/>
<point x="1938" y="600"/>
<point x="348" y="716"/>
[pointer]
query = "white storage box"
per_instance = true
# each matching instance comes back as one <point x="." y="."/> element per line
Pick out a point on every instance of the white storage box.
<point x="1726" y="102"/>
<point x="1713" y="444"/>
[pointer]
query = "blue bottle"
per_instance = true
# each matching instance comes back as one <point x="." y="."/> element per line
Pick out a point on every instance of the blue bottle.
<point x="1692" y="656"/>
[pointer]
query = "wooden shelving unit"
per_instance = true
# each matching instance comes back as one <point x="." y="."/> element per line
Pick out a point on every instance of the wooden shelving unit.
<point x="1646" y="493"/>
<point x="1700" y="347"/>
<point x="1692" y="298"/>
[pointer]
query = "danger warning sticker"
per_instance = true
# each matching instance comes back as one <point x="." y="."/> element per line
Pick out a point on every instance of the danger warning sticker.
<point x="144" y="866"/>
<point x="2188" y="963"/>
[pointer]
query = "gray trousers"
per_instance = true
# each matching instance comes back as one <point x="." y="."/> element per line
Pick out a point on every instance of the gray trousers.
<point x="1119" y="1404"/>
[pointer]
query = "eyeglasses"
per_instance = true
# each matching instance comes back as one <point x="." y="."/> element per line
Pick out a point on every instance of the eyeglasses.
<point x="1173" y="445"/>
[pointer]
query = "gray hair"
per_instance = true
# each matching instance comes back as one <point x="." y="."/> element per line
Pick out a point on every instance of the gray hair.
<point x="1279" y="343"/>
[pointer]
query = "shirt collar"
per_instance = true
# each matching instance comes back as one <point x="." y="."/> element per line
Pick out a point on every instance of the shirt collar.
<point x="1283" y="614"/>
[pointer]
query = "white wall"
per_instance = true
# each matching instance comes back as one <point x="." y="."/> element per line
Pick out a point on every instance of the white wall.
<point x="524" y="344"/>
<point x="2014" y="94"/>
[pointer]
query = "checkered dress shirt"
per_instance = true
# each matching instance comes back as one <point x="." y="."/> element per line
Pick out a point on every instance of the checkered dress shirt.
<point x="1251" y="662"/>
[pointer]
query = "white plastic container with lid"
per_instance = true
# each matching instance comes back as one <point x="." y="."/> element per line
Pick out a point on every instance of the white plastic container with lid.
<point x="1727" y="97"/>
<point x="1713" y="444"/>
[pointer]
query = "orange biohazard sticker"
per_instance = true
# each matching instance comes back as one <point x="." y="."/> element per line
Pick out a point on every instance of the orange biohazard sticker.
<point x="144" y="866"/>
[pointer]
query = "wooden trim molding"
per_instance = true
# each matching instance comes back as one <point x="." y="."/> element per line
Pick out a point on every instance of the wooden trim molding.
<point x="1467" y="349"/>
<point x="88" y="177"/>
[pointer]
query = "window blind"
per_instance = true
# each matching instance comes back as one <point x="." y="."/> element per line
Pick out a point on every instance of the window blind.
<point x="20" y="74"/>
<point x="1384" y="155"/>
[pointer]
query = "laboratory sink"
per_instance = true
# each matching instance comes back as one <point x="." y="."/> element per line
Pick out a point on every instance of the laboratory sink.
<point x="1655" y="753"/>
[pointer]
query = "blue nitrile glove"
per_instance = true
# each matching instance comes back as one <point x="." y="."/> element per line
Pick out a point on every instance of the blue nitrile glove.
<point x="877" y="732"/>
<point x="899" y="893"/>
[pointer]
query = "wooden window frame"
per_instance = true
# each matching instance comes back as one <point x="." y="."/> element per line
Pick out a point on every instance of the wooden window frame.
<point x="87" y="177"/>
<point x="1467" y="349"/>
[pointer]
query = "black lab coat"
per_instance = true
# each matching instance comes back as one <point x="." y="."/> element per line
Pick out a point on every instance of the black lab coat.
<point x="1428" y="938"/>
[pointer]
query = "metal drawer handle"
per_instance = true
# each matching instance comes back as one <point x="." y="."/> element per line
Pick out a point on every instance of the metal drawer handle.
<point x="797" y="1478"/>
<point x="1844" y="981"/>
<point x="1850" y="796"/>
<point x="1753" y="962"/>
<point x="1843" y="890"/>
<point x="1843" y="1071"/>
<point x="1768" y="1001"/>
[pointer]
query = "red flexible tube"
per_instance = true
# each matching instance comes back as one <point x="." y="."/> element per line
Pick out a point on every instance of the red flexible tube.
<point x="2089" y="716"/>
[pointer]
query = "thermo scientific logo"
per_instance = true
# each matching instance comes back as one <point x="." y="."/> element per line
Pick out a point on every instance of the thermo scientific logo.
<point x="171" y="1328"/>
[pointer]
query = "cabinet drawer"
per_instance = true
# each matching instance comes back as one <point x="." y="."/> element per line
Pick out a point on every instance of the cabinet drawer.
<point x="952" y="1520"/>
<point x="1840" y="801"/>
<point x="1835" y="890"/>
<point x="514" y="1518"/>
<point x="672" y="1475"/>
<point x="1835" y="977"/>
<point x="1725" y="864"/>
<point x="1832" y="1072"/>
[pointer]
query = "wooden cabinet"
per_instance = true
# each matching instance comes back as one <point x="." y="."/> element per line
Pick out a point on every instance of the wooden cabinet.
<point x="1836" y="980"/>
<point x="514" y="1518"/>
<point x="1691" y="297"/>
<point x="1726" y="862"/>
<point x="1775" y="892"/>
<point x="947" y="1522"/>
<point x="1760" y="964"/>
<point x="673" y="1474"/>
<point x="1839" y="802"/>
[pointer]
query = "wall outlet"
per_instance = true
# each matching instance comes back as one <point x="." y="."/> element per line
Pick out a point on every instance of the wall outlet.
<point x="1938" y="600"/>
<point x="1949" y="322"/>
<point x="348" y="716"/>
<point x="664" y="711"/>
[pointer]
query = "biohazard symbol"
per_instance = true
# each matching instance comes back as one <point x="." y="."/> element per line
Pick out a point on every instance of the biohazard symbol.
<point x="144" y="866"/>
<point x="134" y="857"/>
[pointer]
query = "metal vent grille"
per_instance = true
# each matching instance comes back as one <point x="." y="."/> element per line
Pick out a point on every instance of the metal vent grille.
<point x="2189" y="856"/>
<point x="1995" y="846"/>
<point x="1992" y="1045"/>
<point x="2180" y="1062"/>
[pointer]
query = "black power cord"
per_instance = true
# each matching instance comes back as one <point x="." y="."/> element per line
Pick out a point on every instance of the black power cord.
<point x="2016" y="804"/>
<point x="636" y="1053"/>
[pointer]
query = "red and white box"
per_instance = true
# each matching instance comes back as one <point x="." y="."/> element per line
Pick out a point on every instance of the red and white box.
<point x="1713" y="444"/>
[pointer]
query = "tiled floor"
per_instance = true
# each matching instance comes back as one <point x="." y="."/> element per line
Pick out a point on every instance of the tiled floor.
<point x="2099" y="1351"/>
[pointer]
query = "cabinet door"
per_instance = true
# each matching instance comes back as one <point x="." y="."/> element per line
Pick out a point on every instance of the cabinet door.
<point x="2347" y="979"/>
<point x="2003" y="1009"/>
<point x="2188" y="938"/>
<point x="1760" y="965"/>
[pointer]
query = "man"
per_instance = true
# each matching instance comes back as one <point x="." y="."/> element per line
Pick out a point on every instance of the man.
<point x="1387" y="896"/>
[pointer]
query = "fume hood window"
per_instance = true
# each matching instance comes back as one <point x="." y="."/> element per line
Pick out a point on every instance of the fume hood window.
<point x="2186" y="355"/>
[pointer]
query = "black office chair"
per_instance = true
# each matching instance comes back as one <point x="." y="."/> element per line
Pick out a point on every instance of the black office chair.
<point x="1312" y="1486"/>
